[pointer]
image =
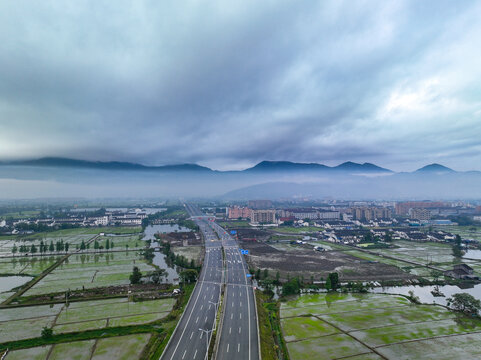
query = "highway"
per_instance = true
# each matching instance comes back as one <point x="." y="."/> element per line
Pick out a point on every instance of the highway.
<point x="188" y="340"/>
<point x="238" y="335"/>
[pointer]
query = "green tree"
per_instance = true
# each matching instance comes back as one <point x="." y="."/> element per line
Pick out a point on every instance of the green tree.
<point x="188" y="275"/>
<point x="266" y="274"/>
<point x="33" y="249"/>
<point x="278" y="278"/>
<point x="334" y="277"/>
<point x="46" y="333"/>
<point x="82" y="245"/>
<point x="107" y="244"/>
<point x="388" y="237"/>
<point x="96" y="245"/>
<point x="158" y="275"/>
<point x="66" y="246"/>
<point x="51" y="247"/>
<point x="457" y="241"/>
<point x="292" y="287"/>
<point x="328" y="284"/>
<point x="465" y="303"/>
<point x="135" y="276"/>
<point x="14" y="249"/>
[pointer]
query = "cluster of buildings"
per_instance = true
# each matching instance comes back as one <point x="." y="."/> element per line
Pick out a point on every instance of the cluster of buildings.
<point x="131" y="217"/>
<point x="359" y="213"/>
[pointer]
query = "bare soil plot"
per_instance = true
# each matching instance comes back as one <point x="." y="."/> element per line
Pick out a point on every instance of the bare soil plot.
<point x="307" y="262"/>
<point x="189" y="252"/>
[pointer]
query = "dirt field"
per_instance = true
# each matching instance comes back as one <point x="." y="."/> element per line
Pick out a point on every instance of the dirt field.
<point x="307" y="262"/>
<point x="180" y="238"/>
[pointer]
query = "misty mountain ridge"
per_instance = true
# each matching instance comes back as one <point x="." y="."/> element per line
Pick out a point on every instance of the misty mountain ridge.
<point x="435" y="168"/>
<point x="263" y="166"/>
<point x="101" y="165"/>
<point x="63" y="177"/>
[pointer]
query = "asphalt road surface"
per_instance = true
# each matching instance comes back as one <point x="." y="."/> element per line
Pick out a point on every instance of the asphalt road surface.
<point x="238" y="336"/>
<point x="193" y="332"/>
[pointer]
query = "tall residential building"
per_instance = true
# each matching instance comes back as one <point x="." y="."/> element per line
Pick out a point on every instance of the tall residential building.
<point x="402" y="208"/>
<point x="237" y="212"/>
<point x="371" y="213"/>
<point x="420" y="214"/>
<point x="263" y="216"/>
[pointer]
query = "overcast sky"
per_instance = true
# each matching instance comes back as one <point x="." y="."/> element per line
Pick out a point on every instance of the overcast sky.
<point x="230" y="83"/>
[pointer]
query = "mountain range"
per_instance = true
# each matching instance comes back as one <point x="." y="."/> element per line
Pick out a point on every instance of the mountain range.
<point x="62" y="177"/>
<point x="263" y="166"/>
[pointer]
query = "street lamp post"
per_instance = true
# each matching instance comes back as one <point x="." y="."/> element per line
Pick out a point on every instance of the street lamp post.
<point x="206" y="340"/>
<point x="216" y="304"/>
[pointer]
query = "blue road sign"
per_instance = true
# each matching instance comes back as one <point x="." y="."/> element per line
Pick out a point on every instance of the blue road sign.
<point x="233" y="232"/>
<point x="248" y="275"/>
<point x="244" y="252"/>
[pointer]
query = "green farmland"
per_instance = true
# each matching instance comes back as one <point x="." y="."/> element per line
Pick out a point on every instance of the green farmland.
<point x="375" y="326"/>
<point x="90" y="270"/>
<point x="119" y="348"/>
<point x="27" y="322"/>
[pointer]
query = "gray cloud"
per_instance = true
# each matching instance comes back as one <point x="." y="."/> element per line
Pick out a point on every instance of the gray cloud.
<point x="227" y="84"/>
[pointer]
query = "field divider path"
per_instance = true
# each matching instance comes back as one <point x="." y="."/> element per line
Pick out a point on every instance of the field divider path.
<point x="353" y="337"/>
<point x="113" y="317"/>
<point x="351" y="356"/>
<point x="56" y="317"/>
<point x="94" y="347"/>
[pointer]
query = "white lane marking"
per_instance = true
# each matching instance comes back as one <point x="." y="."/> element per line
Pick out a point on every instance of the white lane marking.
<point x="183" y="356"/>
<point x="239" y="329"/>
<point x="197" y="320"/>
<point x="202" y="307"/>
<point x="231" y="316"/>
<point x="205" y="319"/>
<point x="201" y="333"/>
<point x="238" y="347"/>
<point x="240" y="315"/>
<point x="230" y="329"/>
<point x="195" y="353"/>
<point x="191" y="312"/>
<point x="227" y="347"/>
<point x="191" y="334"/>
<point x="241" y="304"/>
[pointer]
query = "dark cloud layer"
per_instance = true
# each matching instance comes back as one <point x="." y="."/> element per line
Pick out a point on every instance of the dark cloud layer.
<point x="227" y="84"/>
